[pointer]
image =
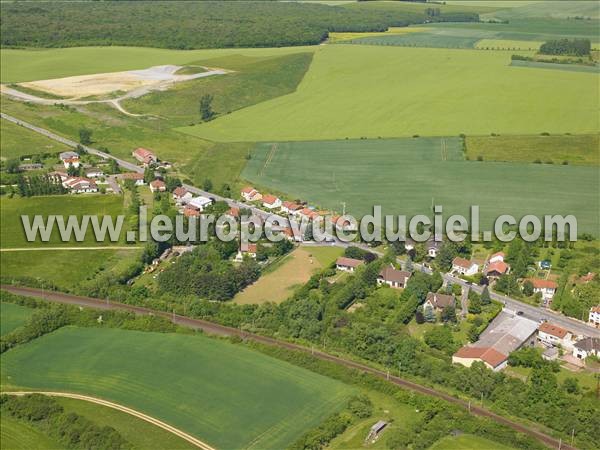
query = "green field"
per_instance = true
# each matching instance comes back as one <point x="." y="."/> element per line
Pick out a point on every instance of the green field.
<point x="17" y="435"/>
<point x="467" y="442"/>
<point x="579" y="150"/>
<point x="19" y="65"/>
<point x="224" y="394"/>
<point x="404" y="176"/>
<point x="354" y="91"/>
<point x="419" y="40"/>
<point x="554" y="9"/>
<point x="18" y="141"/>
<point x="13" y="316"/>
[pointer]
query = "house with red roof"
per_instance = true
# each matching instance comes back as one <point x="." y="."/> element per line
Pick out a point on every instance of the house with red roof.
<point x="496" y="269"/>
<point x="158" y="186"/>
<point x="393" y="278"/>
<point x="191" y="211"/>
<point x="144" y="156"/>
<point x="181" y="195"/>
<point x="347" y="264"/>
<point x="464" y="266"/>
<point x="497" y="257"/>
<point x="290" y="207"/>
<point x="271" y="202"/>
<point x="552" y="335"/>
<point x="250" y="194"/>
<point x="545" y="287"/>
<point x="80" y="185"/>
<point x="492" y="358"/>
<point x="137" y="177"/>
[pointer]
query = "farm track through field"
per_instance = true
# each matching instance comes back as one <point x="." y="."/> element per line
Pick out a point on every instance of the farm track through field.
<point x="269" y="158"/>
<point x="221" y="330"/>
<point x="191" y="439"/>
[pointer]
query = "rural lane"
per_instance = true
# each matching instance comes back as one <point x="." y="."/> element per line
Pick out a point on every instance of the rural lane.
<point x="159" y="423"/>
<point x="577" y="327"/>
<point x="221" y="330"/>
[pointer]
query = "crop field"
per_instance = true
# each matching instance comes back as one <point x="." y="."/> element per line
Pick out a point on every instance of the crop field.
<point x="277" y="285"/>
<point x="505" y="44"/>
<point x="575" y="149"/>
<point x="405" y="176"/>
<point x="344" y="79"/>
<point x="223" y="394"/>
<point x="467" y="442"/>
<point x="18" y="141"/>
<point x="13" y="316"/>
<point x="549" y="9"/>
<point x="419" y="40"/>
<point x="554" y="66"/>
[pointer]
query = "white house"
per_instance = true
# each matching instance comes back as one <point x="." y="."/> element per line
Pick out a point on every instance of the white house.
<point x="69" y="159"/>
<point x="497" y="257"/>
<point x="145" y="156"/>
<point x="553" y="335"/>
<point x="200" y="203"/>
<point x="438" y="301"/>
<point x="271" y="202"/>
<point x="393" y="278"/>
<point x="158" y="186"/>
<point x="290" y="207"/>
<point x="545" y="287"/>
<point x="586" y="347"/>
<point x="594" y="317"/>
<point x="250" y="251"/>
<point x="181" y="195"/>
<point x="464" y="266"/>
<point x="137" y="177"/>
<point x="433" y="248"/>
<point x="79" y="185"/>
<point x="347" y="264"/>
<point x="250" y="194"/>
<point x="94" y="172"/>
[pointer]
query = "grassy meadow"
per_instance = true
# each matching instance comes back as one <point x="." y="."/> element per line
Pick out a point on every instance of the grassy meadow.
<point x="13" y="316"/>
<point x="467" y="442"/>
<point x="578" y="150"/>
<point x="18" y="141"/>
<point x="413" y="173"/>
<point x="17" y="435"/>
<point x="355" y="91"/>
<point x="224" y="394"/>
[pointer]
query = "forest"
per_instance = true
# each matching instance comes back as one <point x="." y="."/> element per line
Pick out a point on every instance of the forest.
<point x="192" y="25"/>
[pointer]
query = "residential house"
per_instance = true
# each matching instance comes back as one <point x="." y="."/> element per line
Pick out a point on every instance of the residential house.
<point x="250" y="194"/>
<point x="505" y="334"/>
<point x="586" y="347"/>
<point x="190" y="211"/>
<point x="246" y="250"/>
<point x="290" y="207"/>
<point x="94" y="172"/>
<point x="70" y="161"/>
<point x="137" y="177"/>
<point x="79" y="185"/>
<point x="439" y="301"/>
<point x="553" y="335"/>
<point x="233" y="212"/>
<point x="464" y="266"/>
<point x="181" y="195"/>
<point x="594" y="316"/>
<point x="497" y="257"/>
<point x="496" y="269"/>
<point x="145" y="156"/>
<point x="393" y="278"/>
<point x="545" y="287"/>
<point x="158" y="186"/>
<point x="347" y="264"/>
<point x="433" y="248"/>
<point x="200" y="203"/>
<point x="308" y="213"/>
<point x="271" y="202"/>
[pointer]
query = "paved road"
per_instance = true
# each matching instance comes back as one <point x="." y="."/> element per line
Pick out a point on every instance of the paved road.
<point x="220" y="330"/>
<point x="159" y="423"/>
<point x="536" y="313"/>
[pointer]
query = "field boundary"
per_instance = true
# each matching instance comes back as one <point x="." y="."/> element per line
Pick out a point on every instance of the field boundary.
<point x="183" y="435"/>
<point x="34" y="249"/>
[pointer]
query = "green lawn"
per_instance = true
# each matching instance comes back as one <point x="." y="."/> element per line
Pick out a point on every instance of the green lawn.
<point x="17" y="435"/>
<point x="18" y="141"/>
<point x="139" y="433"/>
<point x="224" y="394"/>
<point x="467" y="442"/>
<point x="13" y="316"/>
<point x="354" y="91"/>
<point x="578" y="150"/>
<point x="404" y="176"/>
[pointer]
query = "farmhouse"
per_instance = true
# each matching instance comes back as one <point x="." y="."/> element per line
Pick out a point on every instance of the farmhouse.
<point x="145" y="156"/>
<point x="438" y="301"/>
<point x="137" y="177"/>
<point x="250" y="194"/>
<point x="505" y="334"/>
<point x="290" y="207"/>
<point x="347" y="264"/>
<point x="594" y="316"/>
<point x="393" y="278"/>
<point x="464" y="266"/>
<point x="200" y="203"/>
<point x="158" y="186"/>
<point x="545" y="287"/>
<point x="586" y="347"/>
<point x="79" y="185"/>
<point x="271" y="202"/>
<point x="552" y="335"/>
<point x="181" y="195"/>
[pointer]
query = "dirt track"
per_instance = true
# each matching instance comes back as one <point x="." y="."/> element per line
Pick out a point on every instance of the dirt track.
<point x="221" y="330"/>
<point x="192" y="440"/>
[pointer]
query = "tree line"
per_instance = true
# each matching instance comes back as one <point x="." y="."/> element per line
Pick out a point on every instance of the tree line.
<point x="569" y="47"/>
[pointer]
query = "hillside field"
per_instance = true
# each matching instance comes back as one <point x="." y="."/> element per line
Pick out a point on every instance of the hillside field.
<point x="13" y="316"/>
<point x="405" y="176"/>
<point x="17" y="435"/>
<point x="18" y="141"/>
<point x="467" y="442"/>
<point x="355" y="91"/>
<point x="224" y="394"/>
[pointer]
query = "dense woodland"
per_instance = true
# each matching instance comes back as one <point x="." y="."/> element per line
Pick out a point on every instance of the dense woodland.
<point x="569" y="47"/>
<point x="188" y="25"/>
